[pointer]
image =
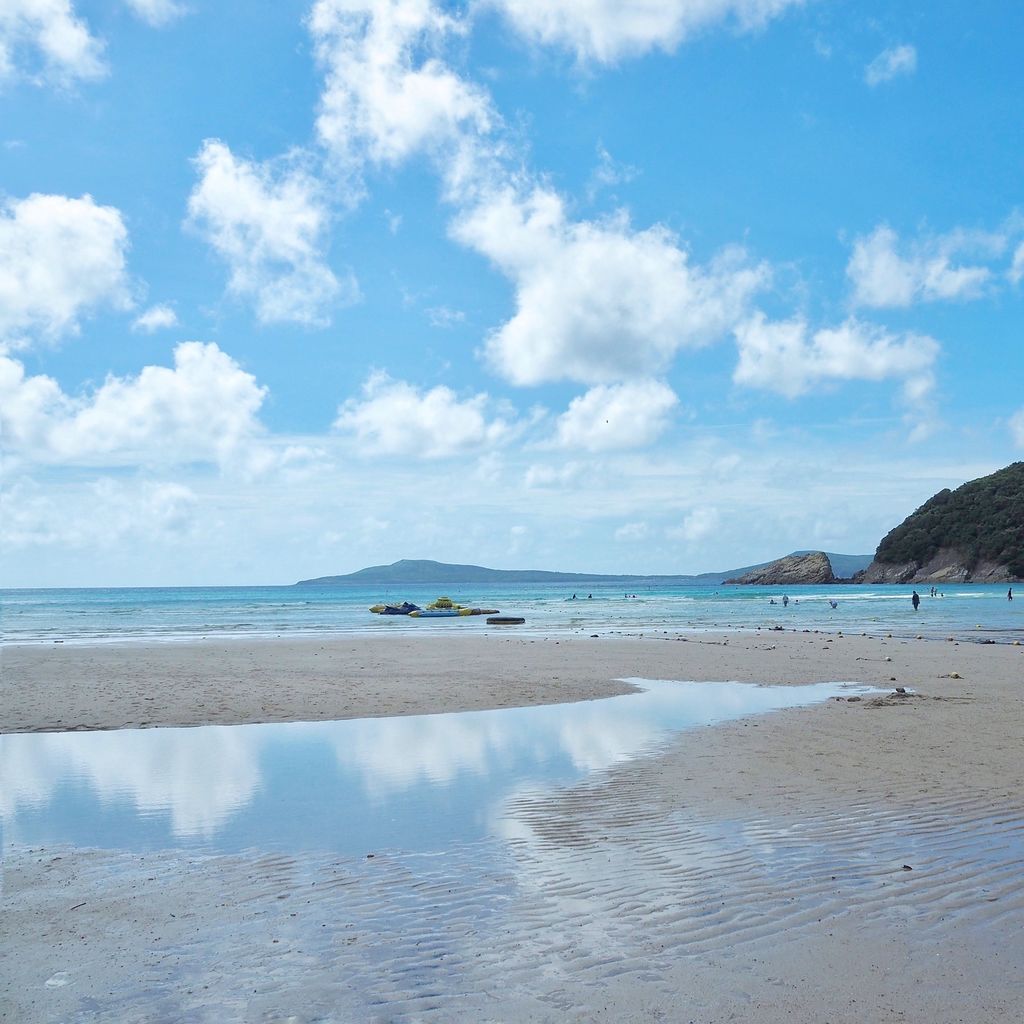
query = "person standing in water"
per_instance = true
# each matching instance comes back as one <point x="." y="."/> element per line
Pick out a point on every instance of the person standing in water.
<point x="915" y="600"/>
<point x="1009" y="594"/>
<point x="785" y="601"/>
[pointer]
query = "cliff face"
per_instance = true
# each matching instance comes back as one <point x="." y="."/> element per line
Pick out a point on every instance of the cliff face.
<point x="947" y="565"/>
<point x="974" y="534"/>
<point x="813" y="567"/>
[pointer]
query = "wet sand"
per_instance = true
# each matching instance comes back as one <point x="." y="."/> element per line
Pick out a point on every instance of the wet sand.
<point x="854" y="861"/>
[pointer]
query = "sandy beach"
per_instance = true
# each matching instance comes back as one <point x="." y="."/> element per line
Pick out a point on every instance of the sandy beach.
<point x="890" y="831"/>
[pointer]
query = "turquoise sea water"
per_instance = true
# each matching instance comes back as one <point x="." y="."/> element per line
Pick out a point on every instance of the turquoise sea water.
<point x="967" y="611"/>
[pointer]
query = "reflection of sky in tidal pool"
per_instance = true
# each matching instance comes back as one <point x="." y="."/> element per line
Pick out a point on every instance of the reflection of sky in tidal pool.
<point x="416" y="783"/>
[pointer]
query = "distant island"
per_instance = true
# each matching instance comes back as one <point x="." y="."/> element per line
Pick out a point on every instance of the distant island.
<point x="974" y="534"/>
<point x="409" y="571"/>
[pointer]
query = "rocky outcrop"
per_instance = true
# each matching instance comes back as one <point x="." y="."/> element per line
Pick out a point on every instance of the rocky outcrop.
<point x="947" y="565"/>
<point x="813" y="567"/>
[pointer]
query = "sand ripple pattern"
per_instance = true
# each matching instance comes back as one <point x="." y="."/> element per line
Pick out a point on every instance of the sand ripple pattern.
<point x="589" y="885"/>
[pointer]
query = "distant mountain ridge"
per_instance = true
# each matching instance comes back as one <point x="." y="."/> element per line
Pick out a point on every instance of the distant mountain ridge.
<point x="423" y="571"/>
<point x="974" y="534"/>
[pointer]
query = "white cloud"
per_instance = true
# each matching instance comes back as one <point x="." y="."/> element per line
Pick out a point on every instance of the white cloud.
<point x="598" y="301"/>
<point x="204" y="409"/>
<point x="621" y="416"/>
<point x="156" y="12"/>
<point x="561" y="475"/>
<point x="890" y="64"/>
<point x="609" y="173"/>
<point x="1017" y="428"/>
<point x="103" y="514"/>
<point x="388" y="92"/>
<point x="1016" y="271"/>
<point x="632" y="532"/>
<point x="395" y="418"/>
<point x="883" y="276"/>
<point x="155" y="318"/>
<point x="46" y="41"/>
<point x="786" y="357"/>
<point x="697" y="524"/>
<point x="268" y="223"/>
<point x="607" y="30"/>
<point x="443" y="316"/>
<point x="59" y="259"/>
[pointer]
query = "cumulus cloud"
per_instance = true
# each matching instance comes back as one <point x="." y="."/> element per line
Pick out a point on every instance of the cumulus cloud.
<point x="598" y="301"/>
<point x="156" y="12"/>
<point x="156" y="318"/>
<point x="395" y="418"/>
<point x="204" y="409"/>
<point x="890" y="64"/>
<point x="388" y="91"/>
<point x="106" y="512"/>
<point x="786" y="357"/>
<point x="60" y="258"/>
<point x="621" y="416"/>
<point x="697" y="524"/>
<point x="268" y="222"/>
<point x="883" y="275"/>
<point x="607" y="30"/>
<point x="45" y="40"/>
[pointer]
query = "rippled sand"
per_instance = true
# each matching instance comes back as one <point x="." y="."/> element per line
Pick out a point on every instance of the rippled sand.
<point x="856" y="861"/>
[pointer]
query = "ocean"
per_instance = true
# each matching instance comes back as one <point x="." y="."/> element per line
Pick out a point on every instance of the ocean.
<point x="175" y="614"/>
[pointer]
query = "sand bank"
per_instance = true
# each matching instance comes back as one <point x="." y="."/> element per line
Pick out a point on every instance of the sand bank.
<point x="856" y="861"/>
<point x="62" y="687"/>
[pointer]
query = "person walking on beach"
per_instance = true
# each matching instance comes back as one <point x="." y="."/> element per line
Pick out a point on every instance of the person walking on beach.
<point x="915" y="600"/>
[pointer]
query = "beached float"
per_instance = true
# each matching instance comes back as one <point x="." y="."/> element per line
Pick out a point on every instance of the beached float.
<point x="442" y="608"/>
<point x="405" y="608"/>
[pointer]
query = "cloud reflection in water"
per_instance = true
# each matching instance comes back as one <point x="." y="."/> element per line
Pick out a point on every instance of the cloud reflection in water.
<point x="266" y="785"/>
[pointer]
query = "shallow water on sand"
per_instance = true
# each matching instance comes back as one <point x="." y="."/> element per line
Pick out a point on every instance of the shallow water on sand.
<point x="450" y="867"/>
<point x="416" y="783"/>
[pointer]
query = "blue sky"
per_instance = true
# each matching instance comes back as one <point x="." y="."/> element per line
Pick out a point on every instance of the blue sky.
<point x="287" y="289"/>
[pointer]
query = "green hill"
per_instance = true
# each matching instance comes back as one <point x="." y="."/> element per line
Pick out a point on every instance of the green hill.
<point x="973" y="532"/>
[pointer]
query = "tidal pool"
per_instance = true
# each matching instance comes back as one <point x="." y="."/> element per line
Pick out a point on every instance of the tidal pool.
<point x="461" y="867"/>
<point x="417" y="784"/>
